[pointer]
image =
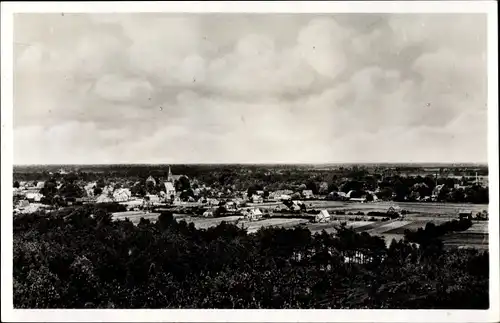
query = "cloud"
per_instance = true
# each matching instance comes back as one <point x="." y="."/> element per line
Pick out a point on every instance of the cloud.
<point x="249" y="88"/>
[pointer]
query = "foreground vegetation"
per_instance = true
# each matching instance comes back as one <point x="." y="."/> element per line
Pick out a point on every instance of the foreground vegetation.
<point x="79" y="258"/>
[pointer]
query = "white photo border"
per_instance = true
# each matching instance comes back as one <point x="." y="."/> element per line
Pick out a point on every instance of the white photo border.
<point x="11" y="315"/>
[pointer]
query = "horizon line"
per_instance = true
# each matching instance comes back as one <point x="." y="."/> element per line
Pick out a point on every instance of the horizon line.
<point x="258" y="163"/>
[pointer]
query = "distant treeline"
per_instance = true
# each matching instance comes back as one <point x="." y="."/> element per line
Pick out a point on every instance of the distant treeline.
<point x="355" y="181"/>
<point x="431" y="233"/>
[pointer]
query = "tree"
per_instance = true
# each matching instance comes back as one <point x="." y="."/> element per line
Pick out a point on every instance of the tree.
<point x="311" y="185"/>
<point x="251" y="191"/>
<point x="182" y="184"/>
<point x="332" y="187"/>
<point x="16" y="184"/>
<point x="49" y="188"/>
<point x="97" y="191"/>
<point x="185" y="195"/>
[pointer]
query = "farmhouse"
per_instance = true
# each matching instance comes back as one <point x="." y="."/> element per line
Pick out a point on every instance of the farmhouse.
<point x="253" y="214"/>
<point x="323" y="216"/>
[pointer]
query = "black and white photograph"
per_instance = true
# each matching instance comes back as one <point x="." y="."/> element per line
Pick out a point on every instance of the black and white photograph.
<point x="251" y="160"/>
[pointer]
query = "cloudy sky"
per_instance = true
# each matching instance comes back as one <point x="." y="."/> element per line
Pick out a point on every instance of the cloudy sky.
<point x="164" y="88"/>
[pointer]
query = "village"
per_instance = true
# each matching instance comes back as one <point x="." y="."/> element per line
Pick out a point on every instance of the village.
<point x="206" y="206"/>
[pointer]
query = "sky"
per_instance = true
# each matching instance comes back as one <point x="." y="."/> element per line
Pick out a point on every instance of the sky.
<point x="249" y="88"/>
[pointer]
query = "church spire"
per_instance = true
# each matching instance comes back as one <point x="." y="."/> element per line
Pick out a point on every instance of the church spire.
<point x="170" y="177"/>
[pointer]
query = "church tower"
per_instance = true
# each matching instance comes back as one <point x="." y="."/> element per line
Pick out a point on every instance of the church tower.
<point x="170" y="178"/>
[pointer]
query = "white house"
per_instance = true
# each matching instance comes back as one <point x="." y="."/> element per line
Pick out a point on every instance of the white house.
<point x="104" y="198"/>
<point x="257" y="199"/>
<point x="308" y="194"/>
<point x="231" y="206"/>
<point x="208" y="213"/>
<point x="323" y="216"/>
<point x="36" y="197"/>
<point x="153" y="198"/>
<point x="252" y="214"/>
<point x="169" y="189"/>
<point x="122" y="195"/>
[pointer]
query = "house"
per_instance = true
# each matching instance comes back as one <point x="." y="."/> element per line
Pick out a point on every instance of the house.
<point x="307" y="194"/>
<point x="323" y="216"/>
<point x="169" y="189"/>
<point x="151" y="180"/>
<point x="89" y="188"/>
<point x="211" y="201"/>
<point x="280" y="194"/>
<point x="257" y="199"/>
<point x="342" y="195"/>
<point x="259" y="192"/>
<point x="34" y="197"/>
<point x="208" y="213"/>
<point x="23" y="203"/>
<point x="437" y="190"/>
<point x="285" y="197"/>
<point x="122" y="195"/>
<point x="153" y="198"/>
<point x="350" y="193"/>
<point x="40" y="185"/>
<point x="252" y="214"/>
<point x="465" y="214"/>
<point x="177" y="200"/>
<point x="104" y="198"/>
<point x="231" y="206"/>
